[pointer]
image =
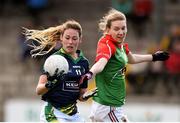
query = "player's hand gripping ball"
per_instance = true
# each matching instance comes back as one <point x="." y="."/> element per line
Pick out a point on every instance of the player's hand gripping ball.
<point x="56" y="64"/>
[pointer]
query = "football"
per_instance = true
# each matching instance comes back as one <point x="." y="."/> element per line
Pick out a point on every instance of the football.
<point x="56" y="61"/>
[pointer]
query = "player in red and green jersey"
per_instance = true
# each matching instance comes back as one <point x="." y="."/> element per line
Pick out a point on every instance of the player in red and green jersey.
<point x="112" y="75"/>
<point x="109" y="69"/>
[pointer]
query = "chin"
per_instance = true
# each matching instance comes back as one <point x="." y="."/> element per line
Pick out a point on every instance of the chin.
<point x="119" y="41"/>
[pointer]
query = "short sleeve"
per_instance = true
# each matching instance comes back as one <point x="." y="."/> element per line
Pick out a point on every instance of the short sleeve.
<point x="105" y="50"/>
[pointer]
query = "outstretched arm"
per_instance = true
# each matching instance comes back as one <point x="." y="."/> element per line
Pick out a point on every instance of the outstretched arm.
<point x="96" y="68"/>
<point x="157" y="56"/>
<point x="137" y="58"/>
<point x="99" y="66"/>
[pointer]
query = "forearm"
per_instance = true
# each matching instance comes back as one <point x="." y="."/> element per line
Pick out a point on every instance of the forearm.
<point x="41" y="89"/>
<point x="137" y="58"/>
<point x="98" y="66"/>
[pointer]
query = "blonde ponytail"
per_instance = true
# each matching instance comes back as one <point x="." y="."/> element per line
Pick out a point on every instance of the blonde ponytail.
<point x="43" y="41"/>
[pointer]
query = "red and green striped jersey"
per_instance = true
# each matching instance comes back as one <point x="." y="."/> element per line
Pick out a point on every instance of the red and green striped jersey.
<point x="111" y="81"/>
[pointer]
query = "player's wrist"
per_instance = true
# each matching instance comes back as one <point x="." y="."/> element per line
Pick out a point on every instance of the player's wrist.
<point x="89" y="75"/>
<point x="154" y="57"/>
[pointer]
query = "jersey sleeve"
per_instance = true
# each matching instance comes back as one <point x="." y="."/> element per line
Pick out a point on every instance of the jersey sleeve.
<point x="85" y="83"/>
<point x="105" y="50"/>
<point x="126" y="48"/>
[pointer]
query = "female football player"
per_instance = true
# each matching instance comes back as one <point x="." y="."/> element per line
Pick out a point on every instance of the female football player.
<point x="60" y="92"/>
<point x="110" y="66"/>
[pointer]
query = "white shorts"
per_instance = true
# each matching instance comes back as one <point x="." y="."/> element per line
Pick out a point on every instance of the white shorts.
<point x="103" y="113"/>
<point x="50" y="114"/>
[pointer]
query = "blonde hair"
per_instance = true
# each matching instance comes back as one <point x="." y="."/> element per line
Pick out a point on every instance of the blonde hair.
<point x="112" y="15"/>
<point x="43" y="41"/>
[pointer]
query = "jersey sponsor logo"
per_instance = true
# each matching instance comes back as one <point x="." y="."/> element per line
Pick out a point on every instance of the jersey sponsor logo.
<point x="119" y="72"/>
<point x="122" y="70"/>
<point x="72" y="86"/>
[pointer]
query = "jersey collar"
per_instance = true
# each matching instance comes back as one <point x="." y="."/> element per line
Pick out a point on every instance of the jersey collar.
<point x="79" y="52"/>
<point x="110" y="38"/>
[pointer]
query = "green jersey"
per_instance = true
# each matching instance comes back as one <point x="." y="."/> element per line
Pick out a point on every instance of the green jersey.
<point x="111" y="81"/>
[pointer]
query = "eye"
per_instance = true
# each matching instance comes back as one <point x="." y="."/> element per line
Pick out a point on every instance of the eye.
<point x="116" y="28"/>
<point x="75" y="38"/>
<point x="123" y="28"/>
<point x="67" y="38"/>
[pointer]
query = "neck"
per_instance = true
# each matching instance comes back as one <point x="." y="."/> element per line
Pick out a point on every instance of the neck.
<point x="74" y="55"/>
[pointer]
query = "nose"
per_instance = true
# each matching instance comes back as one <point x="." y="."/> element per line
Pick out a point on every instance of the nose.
<point x="70" y="41"/>
<point x="121" y="32"/>
<point x="121" y="35"/>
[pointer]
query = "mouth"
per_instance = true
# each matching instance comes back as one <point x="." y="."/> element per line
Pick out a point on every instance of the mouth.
<point x="120" y="36"/>
<point x="120" y="39"/>
<point x="70" y="47"/>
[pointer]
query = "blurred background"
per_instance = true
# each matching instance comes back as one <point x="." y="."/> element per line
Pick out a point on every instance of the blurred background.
<point x="153" y="89"/>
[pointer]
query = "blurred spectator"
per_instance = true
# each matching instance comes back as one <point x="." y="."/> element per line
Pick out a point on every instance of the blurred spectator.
<point x="35" y="8"/>
<point x="25" y="57"/>
<point x="168" y="72"/>
<point x="7" y="5"/>
<point x="142" y="10"/>
<point x="135" y="76"/>
<point x="171" y="43"/>
<point x="24" y="48"/>
<point x="2" y="5"/>
<point x="124" y="6"/>
<point x="174" y="1"/>
<point x="153" y="73"/>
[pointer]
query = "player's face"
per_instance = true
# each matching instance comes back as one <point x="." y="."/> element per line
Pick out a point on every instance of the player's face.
<point x="70" y="40"/>
<point x="118" y="30"/>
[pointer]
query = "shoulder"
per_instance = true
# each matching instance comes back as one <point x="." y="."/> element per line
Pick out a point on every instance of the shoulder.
<point x="83" y="58"/>
<point x="106" y="44"/>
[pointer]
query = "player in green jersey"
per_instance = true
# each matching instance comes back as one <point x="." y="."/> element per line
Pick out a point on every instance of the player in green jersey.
<point x="60" y="93"/>
<point x="109" y="69"/>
